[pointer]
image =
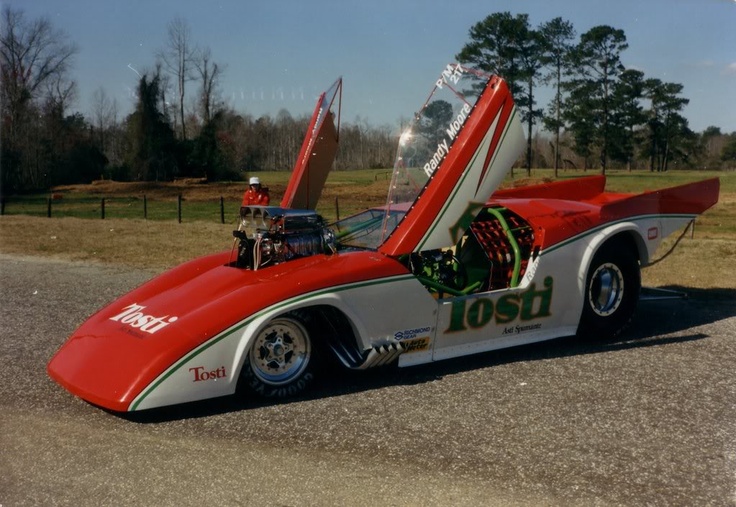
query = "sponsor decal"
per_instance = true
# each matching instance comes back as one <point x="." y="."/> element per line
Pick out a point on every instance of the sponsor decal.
<point x="443" y="147"/>
<point x="532" y="269"/>
<point x="411" y="340"/>
<point x="521" y="329"/>
<point x="415" y="345"/>
<point x="451" y="74"/>
<point x="408" y="334"/>
<point x="439" y="154"/>
<point x="525" y="306"/>
<point x="200" y="375"/>
<point x="134" y="317"/>
<point x="458" y="122"/>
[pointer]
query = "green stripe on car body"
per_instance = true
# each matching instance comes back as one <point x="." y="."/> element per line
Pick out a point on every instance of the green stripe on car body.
<point x="240" y="325"/>
<point x="609" y="224"/>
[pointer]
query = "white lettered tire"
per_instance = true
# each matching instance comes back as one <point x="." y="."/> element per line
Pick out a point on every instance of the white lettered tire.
<point x="281" y="361"/>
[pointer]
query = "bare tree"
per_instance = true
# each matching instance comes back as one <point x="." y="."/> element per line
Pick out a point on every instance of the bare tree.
<point x="35" y="59"/>
<point x="209" y="73"/>
<point x="104" y="119"/>
<point x="31" y="54"/>
<point x="164" y="87"/>
<point x="178" y="56"/>
<point x="60" y="92"/>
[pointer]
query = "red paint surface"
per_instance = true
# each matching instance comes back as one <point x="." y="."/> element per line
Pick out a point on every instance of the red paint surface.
<point x="109" y="363"/>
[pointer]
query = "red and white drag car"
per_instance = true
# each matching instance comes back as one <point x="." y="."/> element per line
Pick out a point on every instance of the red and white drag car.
<point x="449" y="266"/>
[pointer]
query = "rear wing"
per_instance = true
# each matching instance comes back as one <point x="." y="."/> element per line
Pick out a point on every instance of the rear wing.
<point x="689" y="199"/>
<point x="574" y="189"/>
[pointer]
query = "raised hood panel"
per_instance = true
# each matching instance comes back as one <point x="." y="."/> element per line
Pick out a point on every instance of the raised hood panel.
<point x="317" y="153"/>
<point x="467" y="153"/>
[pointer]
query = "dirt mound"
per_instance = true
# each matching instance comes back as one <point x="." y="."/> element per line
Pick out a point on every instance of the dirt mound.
<point x="190" y="189"/>
<point x="199" y="190"/>
<point x="525" y="182"/>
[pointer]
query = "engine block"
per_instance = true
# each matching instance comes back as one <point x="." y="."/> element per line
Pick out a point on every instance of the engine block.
<point x="271" y="235"/>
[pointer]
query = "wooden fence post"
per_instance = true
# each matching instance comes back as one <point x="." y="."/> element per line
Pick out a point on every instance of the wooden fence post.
<point x="102" y="208"/>
<point x="222" y="210"/>
<point x="145" y="207"/>
<point x="179" y="208"/>
<point x="48" y="207"/>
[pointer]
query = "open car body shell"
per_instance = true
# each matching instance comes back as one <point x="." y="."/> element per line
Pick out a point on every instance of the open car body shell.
<point x="184" y="335"/>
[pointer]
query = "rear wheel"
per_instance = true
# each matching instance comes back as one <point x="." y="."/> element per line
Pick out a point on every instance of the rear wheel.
<point x="281" y="360"/>
<point x="611" y="291"/>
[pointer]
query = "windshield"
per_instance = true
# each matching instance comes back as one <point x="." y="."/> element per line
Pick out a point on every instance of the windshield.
<point x="423" y="146"/>
<point x="425" y="143"/>
<point x="364" y="230"/>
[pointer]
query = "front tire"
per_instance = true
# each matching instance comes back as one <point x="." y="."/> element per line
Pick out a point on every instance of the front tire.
<point x="612" y="291"/>
<point x="281" y="361"/>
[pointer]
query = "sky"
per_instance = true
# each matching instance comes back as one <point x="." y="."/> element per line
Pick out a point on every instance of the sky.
<point x="281" y="54"/>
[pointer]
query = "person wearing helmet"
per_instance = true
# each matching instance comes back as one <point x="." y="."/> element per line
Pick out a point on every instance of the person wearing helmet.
<point x="256" y="195"/>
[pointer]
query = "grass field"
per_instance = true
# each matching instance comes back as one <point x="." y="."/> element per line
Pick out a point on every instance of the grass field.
<point x="76" y="231"/>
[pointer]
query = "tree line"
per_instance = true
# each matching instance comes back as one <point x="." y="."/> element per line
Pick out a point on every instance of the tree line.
<point x="601" y="114"/>
<point x="180" y="126"/>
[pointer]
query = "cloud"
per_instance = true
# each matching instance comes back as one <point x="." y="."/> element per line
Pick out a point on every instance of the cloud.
<point x="730" y="69"/>
<point x="705" y="64"/>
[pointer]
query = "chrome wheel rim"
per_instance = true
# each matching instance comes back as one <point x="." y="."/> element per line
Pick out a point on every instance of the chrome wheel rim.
<point x="606" y="289"/>
<point x="280" y="352"/>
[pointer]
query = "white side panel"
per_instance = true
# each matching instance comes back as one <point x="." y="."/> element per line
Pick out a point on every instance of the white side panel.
<point x="398" y="311"/>
<point x="668" y="224"/>
<point x="391" y="310"/>
<point x="546" y="306"/>
<point x="207" y="372"/>
<point x="549" y="300"/>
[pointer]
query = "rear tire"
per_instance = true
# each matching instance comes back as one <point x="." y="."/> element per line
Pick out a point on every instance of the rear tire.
<point x="612" y="289"/>
<point x="281" y="361"/>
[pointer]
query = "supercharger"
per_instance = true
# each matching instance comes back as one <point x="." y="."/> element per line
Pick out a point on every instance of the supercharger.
<point x="270" y="235"/>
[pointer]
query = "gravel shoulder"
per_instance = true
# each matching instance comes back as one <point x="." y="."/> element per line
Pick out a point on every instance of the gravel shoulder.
<point x="649" y="419"/>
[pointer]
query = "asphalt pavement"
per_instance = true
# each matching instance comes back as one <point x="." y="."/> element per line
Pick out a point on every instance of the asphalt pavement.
<point x="649" y="419"/>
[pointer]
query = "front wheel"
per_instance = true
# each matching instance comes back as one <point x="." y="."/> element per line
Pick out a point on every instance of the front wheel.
<point x="281" y="360"/>
<point x="612" y="290"/>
